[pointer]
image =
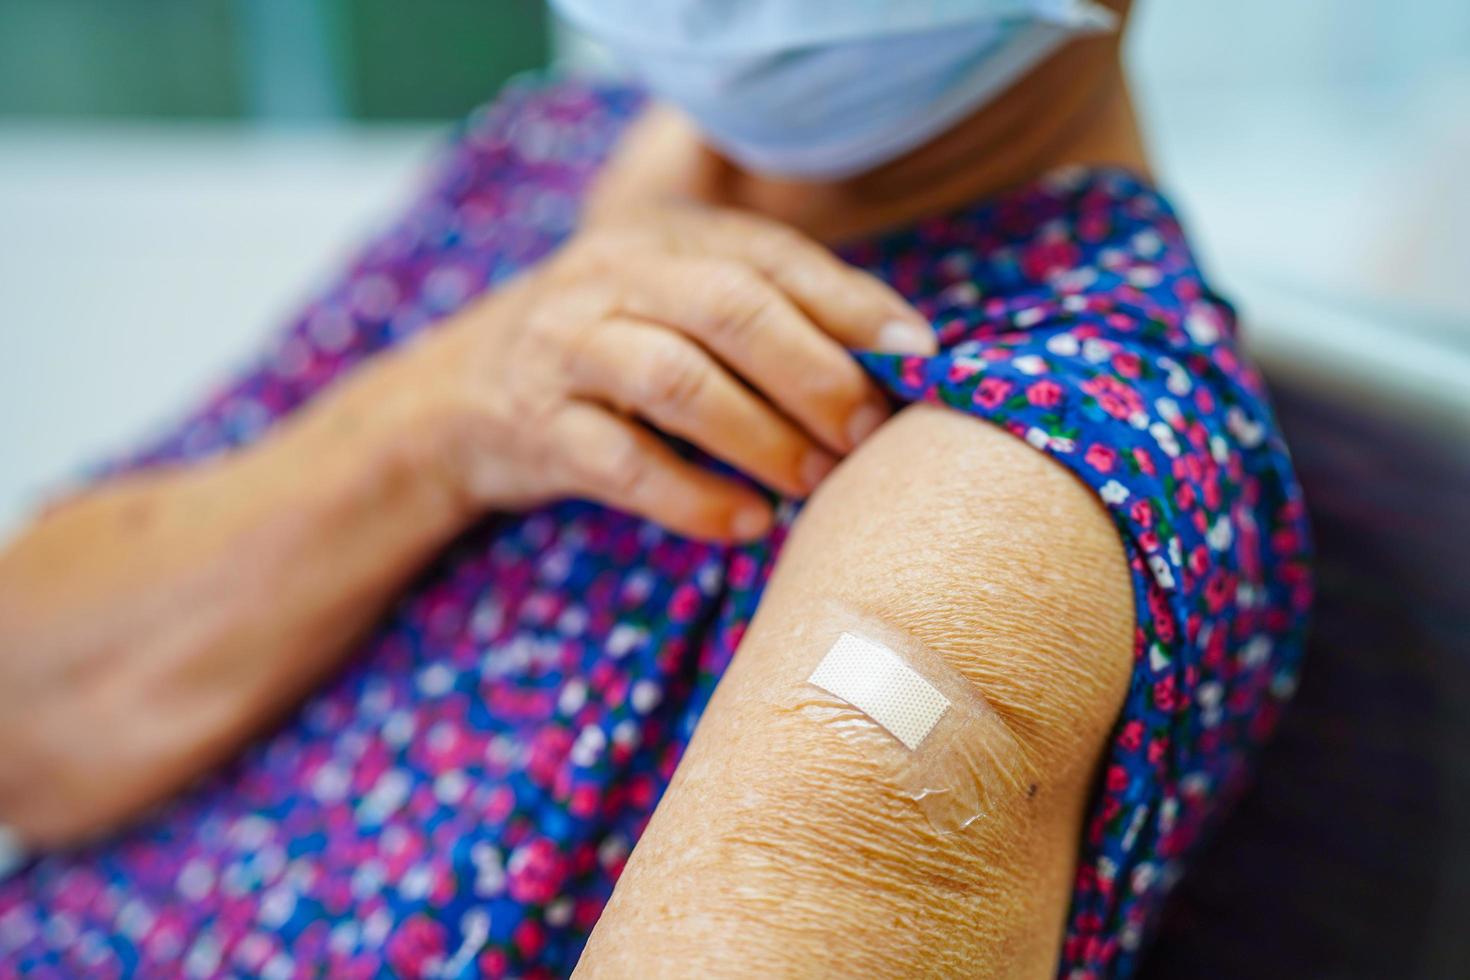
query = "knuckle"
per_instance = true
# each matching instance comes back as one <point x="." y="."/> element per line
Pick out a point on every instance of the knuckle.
<point x="737" y="220"/>
<point x="676" y="375"/>
<point x="559" y="335"/>
<point x="780" y="242"/>
<point x="769" y="240"/>
<point x="597" y="249"/>
<point x="570" y="346"/>
<point x="578" y="287"/>
<point x="729" y="282"/>
<point x="742" y="301"/>
<point x="545" y="330"/>
<point x="618" y="465"/>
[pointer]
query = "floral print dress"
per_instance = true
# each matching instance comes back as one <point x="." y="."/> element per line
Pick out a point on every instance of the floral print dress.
<point x="460" y="800"/>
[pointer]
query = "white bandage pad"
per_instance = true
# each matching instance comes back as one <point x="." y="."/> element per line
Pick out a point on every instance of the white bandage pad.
<point x="873" y="679"/>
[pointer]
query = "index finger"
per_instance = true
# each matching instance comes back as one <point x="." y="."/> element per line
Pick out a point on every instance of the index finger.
<point x="756" y="331"/>
<point x="853" y="306"/>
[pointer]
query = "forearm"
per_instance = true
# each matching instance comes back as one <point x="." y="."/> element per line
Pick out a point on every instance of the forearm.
<point x="349" y="503"/>
<point x="241" y="577"/>
<point x="785" y="846"/>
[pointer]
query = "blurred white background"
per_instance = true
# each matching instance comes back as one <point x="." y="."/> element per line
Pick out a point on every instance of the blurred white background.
<point x="1317" y="149"/>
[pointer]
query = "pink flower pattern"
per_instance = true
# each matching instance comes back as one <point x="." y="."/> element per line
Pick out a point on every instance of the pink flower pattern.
<point x="460" y="800"/>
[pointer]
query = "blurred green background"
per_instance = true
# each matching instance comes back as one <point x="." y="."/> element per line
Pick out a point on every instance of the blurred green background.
<point x="263" y="59"/>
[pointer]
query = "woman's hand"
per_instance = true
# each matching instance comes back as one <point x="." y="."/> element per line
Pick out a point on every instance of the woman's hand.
<point x="153" y="624"/>
<point x="723" y="329"/>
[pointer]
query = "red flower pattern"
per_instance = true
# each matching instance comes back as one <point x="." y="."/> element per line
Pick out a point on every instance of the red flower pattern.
<point x="398" y="821"/>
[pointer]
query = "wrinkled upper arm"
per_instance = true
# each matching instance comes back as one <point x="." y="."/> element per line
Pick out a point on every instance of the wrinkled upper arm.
<point x="781" y="844"/>
<point x="990" y="553"/>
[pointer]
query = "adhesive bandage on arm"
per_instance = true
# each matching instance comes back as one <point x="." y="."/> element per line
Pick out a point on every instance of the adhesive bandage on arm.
<point x="919" y="723"/>
<point x="873" y="679"/>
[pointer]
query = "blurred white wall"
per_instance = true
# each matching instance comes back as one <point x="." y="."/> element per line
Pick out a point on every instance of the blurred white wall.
<point x="1302" y="42"/>
<point x="1319" y="150"/>
<point x="1317" y="147"/>
<point x="140" y="264"/>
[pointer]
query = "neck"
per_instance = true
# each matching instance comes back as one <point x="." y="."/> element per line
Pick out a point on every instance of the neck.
<point x="1074" y="108"/>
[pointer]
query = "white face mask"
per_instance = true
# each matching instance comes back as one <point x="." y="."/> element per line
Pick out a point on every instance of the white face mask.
<point x="823" y="89"/>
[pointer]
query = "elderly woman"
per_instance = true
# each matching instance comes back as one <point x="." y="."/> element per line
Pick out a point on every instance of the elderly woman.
<point x="496" y="562"/>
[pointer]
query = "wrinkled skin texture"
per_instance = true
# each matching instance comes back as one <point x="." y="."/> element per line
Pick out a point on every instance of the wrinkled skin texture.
<point x="781" y="847"/>
<point x="181" y="610"/>
<point x="721" y="328"/>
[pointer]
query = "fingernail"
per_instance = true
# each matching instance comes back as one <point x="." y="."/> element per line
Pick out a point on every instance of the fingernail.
<point x="750" y="522"/>
<point x="903" y="337"/>
<point x="815" y="465"/>
<point x="863" y="421"/>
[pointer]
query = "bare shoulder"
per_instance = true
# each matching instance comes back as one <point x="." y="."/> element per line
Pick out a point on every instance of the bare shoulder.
<point x="781" y="833"/>
<point x="992" y="554"/>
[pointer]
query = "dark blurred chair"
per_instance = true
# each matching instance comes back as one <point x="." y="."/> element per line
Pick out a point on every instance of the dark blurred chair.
<point x="1350" y="858"/>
